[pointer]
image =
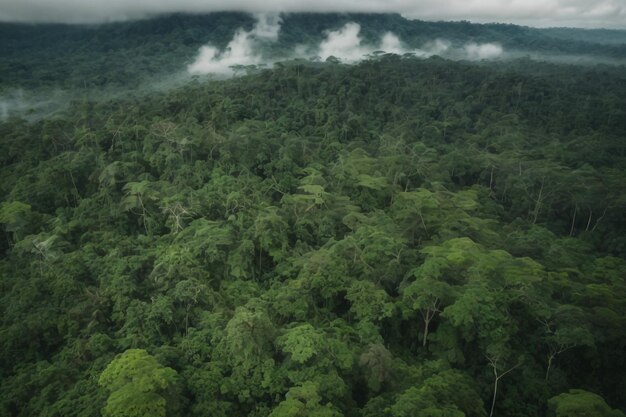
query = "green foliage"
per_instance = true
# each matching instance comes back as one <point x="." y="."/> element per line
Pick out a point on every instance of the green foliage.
<point x="301" y="342"/>
<point x="402" y="237"/>
<point x="138" y="385"/>
<point x="304" y="401"/>
<point x="579" y="403"/>
<point x="368" y="302"/>
<point x="447" y="394"/>
<point x="378" y="363"/>
<point x="14" y="215"/>
<point x="248" y="336"/>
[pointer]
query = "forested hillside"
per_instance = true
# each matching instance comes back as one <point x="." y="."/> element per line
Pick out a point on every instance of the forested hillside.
<point x="127" y="54"/>
<point x="402" y="237"/>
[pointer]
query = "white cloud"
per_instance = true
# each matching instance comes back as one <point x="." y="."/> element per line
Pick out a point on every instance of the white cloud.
<point x="392" y="44"/>
<point x="346" y="45"/>
<point x="436" y="47"/>
<point x="477" y="51"/>
<point x="583" y="13"/>
<point x="267" y="26"/>
<point x="240" y="50"/>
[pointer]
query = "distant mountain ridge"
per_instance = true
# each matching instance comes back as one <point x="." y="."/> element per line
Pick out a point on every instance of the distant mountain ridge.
<point x="125" y="53"/>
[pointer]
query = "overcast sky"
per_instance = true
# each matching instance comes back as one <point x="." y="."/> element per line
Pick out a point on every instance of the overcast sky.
<point x="541" y="13"/>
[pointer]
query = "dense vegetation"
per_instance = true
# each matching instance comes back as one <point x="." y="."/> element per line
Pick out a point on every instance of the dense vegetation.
<point x="399" y="238"/>
<point x="132" y="53"/>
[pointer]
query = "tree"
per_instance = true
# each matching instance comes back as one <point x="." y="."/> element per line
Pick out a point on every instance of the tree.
<point x="139" y="386"/>
<point x="378" y="362"/>
<point x="301" y="342"/>
<point x="304" y="401"/>
<point x="566" y="329"/>
<point x="445" y="393"/>
<point x="496" y="358"/>
<point x="248" y="337"/>
<point x="428" y="294"/>
<point x="581" y="403"/>
<point x="368" y="302"/>
<point x="15" y="216"/>
<point x="137" y="198"/>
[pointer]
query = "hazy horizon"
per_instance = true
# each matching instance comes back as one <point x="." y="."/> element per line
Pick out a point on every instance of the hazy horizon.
<point x="604" y="14"/>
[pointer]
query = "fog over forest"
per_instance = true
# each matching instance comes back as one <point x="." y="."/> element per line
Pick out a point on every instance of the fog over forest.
<point x="259" y="40"/>
<point x="328" y="209"/>
<point x="536" y="13"/>
<point x="344" y="44"/>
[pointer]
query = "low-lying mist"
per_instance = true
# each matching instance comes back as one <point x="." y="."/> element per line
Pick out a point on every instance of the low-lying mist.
<point x="348" y="46"/>
<point x="344" y="44"/>
<point x="243" y="49"/>
<point x="31" y="105"/>
<point x="36" y="104"/>
<point x="257" y="44"/>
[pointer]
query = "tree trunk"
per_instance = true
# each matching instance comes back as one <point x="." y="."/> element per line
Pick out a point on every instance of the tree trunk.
<point x="550" y="359"/>
<point x="571" y="229"/>
<point x="495" y="392"/>
<point x="589" y="220"/>
<point x="538" y="203"/>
